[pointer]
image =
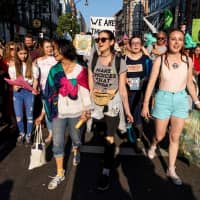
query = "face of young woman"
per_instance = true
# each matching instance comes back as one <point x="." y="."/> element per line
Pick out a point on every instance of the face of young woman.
<point x="22" y="55"/>
<point x="56" y="53"/>
<point x="197" y="51"/>
<point x="104" y="43"/>
<point x="48" y="49"/>
<point x="136" y="45"/>
<point x="12" y="50"/>
<point x="176" y="41"/>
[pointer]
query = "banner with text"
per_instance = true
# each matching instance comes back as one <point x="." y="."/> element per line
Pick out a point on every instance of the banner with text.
<point x="102" y="23"/>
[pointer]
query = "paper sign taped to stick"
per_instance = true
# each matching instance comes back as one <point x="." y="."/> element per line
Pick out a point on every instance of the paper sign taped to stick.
<point x="83" y="44"/>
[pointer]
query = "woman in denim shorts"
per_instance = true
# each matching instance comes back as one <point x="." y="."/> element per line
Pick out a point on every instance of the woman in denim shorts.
<point x="174" y="70"/>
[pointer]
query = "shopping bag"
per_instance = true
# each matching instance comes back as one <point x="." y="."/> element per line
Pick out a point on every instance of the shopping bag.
<point x="190" y="138"/>
<point x="38" y="150"/>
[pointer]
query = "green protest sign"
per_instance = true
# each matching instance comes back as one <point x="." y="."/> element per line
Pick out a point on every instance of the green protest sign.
<point x="196" y="30"/>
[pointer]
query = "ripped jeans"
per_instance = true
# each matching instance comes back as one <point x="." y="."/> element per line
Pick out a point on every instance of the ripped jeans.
<point x="24" y="99"/>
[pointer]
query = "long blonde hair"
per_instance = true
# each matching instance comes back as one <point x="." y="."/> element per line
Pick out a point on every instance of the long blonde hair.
<point x="18" y="63"/>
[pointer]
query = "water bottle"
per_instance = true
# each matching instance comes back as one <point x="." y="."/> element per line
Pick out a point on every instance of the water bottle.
<point x="130" y="133"/>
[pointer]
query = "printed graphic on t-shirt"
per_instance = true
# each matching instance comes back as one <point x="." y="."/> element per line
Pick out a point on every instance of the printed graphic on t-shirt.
<point x="104" y="77"/>
<point x="134" y="83"/>
<point x="135" y="68"/>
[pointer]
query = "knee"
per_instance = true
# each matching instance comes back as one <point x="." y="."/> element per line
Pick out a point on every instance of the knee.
<point x="174" y="138"/>
<point x="30" y="120"/>
<point x="110" y="139"/>
<point x="19" y="119"/>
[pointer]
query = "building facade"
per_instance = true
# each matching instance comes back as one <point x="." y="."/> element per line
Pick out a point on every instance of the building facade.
<point x="28" y="16"/>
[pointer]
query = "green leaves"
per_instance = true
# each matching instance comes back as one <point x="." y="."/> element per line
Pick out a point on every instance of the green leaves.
<point x="67" y="23"/>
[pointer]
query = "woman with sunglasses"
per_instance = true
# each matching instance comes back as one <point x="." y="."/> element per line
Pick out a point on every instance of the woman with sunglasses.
<point x="103" y="79"/>
<point x="171" y="101"/>
<point x="159" y="47"/>
<point x="8" y="56"/>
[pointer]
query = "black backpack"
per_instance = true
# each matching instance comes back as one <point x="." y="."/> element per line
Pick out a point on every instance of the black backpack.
<point x="117" y="61"/>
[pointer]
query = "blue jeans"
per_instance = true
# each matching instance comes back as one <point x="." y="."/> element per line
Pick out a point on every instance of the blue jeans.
<point x="59" y="128"/>
<point x="23" y="99"/>
<point x="134" y="98"/>
<point x="48" y="123"/>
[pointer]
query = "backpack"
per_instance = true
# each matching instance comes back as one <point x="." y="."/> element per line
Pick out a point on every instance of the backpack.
<point x="117" y="61"/>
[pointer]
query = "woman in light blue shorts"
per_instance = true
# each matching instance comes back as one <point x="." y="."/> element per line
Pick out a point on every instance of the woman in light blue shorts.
<point x="171" y="101"/>
<point x="169" y="104"/>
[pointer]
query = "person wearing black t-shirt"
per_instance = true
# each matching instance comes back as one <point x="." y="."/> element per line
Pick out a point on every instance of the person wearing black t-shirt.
<point x="139" y="67"/>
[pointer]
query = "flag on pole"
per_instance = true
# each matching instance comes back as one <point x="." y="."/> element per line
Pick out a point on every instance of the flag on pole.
<point x="168" y="18"/>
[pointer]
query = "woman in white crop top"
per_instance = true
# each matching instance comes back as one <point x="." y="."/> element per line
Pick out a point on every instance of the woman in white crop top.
<point x="171" y="102"/>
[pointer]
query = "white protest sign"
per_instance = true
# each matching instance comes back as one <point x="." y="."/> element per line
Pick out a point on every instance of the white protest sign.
<point x="102" y="23"/>
<point x="83" y="44"/>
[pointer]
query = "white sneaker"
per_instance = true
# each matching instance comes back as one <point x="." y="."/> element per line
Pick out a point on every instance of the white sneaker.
<point x="171" y="174"/>
<point x="55" y="182"/>
<point x="152" y="152"/>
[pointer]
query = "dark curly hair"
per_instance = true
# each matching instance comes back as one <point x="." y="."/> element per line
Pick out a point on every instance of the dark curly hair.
<point x="66" y="49"/>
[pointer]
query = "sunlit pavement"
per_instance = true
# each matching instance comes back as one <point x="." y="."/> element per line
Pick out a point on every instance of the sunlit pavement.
<point x="134" y="175"/>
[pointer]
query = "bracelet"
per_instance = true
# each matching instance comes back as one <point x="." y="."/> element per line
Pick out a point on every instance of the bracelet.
<point x="197" y="102"/>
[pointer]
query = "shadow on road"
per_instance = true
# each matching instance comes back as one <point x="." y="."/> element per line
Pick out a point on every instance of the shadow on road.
<point x="5" y="189"/>
<point x="134" y="178"/>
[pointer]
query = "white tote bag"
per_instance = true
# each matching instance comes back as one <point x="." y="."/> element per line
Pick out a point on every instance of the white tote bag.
<point x="38" y="150"/>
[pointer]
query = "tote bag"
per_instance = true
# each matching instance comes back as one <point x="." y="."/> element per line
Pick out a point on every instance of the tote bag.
<point x="38" y="150"/>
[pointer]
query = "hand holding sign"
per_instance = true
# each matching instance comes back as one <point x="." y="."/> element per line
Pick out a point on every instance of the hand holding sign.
<point x="21" y="83"/>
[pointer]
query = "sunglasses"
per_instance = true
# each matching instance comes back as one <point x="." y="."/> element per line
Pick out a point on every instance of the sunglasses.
<point x="11" y="48"/>
<point x="161" y="38"/>
<point x="103" y="39"/>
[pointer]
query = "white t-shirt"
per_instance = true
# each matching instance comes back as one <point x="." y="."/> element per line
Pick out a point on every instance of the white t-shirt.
<point x="35" y="71"/>
<point x="68" y="108"/>
<point x="44" y="66"/>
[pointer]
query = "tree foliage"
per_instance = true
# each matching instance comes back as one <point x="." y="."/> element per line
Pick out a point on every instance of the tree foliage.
<point x="67" y="23"/>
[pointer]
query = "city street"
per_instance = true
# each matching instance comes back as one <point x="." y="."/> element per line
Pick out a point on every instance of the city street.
<point x="135" y="176"/>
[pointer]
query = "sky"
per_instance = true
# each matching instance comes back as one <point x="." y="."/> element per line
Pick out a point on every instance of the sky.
<point x="98" y="8"/>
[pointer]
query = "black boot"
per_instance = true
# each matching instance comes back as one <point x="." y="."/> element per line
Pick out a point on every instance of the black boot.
<point x="104" y="179"/>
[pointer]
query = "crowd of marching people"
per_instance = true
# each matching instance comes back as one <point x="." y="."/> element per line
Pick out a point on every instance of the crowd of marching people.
<point x="119" y="86"/>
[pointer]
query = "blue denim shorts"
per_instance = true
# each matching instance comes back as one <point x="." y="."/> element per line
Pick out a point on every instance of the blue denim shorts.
<point x="169" y="104"/>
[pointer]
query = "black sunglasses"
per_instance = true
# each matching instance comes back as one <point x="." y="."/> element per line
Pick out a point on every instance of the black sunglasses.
<point x="161" y="38"/>
<point x="103" y="39"/>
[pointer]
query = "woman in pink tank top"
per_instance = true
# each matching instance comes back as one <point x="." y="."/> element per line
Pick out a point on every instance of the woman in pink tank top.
<point x="171" y="103"/>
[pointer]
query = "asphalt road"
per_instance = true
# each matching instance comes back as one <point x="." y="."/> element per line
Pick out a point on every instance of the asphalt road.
<point x="134" y="177"/>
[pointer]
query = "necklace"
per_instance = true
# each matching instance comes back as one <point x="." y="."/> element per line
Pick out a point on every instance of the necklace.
<point x="175" y="65"/>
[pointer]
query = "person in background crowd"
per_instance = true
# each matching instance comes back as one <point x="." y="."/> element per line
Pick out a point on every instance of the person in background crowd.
<point x="158" y="48"/>
<point x="8" y="57"/>
<point x="23" y="98"/>
<point x="139" y="68"/>
<point x="67" y="100"/>
<point x="171" y="101"/>
<point x="45" y="63"/>
<point x="196" y="61"/>
<point x="29" y="43"/>
<point x="183" y="27"/>
<point x="3" y="74"/>
<point x="105" y="78"/>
